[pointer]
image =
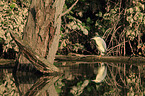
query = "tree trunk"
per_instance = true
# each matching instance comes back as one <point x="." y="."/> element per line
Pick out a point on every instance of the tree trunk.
<point x="42" y="29"/>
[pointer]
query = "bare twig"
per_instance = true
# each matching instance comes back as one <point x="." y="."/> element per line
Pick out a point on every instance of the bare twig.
<point x="124" y="47"/>
<point x="115" y="47"/>
<point x="106" y="33"/>
<point x="113" y="78"/>
<point x="114" y="31"/>
<point x="131" y="47"/>
<point x="69" y="8"/>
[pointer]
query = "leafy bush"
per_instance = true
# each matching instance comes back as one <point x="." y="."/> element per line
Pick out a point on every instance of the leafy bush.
<point x="12" y="19"/>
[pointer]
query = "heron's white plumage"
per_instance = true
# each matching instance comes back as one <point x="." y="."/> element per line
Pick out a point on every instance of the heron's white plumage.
<point x="101" y="45"/>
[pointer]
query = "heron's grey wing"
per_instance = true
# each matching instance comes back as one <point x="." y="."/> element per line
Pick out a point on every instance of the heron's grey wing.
<point x="100" y="40"/>
<point x="104" y="44"/>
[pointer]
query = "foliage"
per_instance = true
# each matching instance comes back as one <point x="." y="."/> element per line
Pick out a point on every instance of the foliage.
<point x="8" y="87"/>
<point x="12" y="19"/>
<point x="77" y="90"/>
<point x="76" y="24"/>
<point x="136" y="19"/>
<point x="120" y="23"/>
<point x="72" y="25"/>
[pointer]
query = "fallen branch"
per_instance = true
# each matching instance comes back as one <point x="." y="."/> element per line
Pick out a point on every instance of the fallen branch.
<point x="39" y="62"/>
<point x="94" y="58"/>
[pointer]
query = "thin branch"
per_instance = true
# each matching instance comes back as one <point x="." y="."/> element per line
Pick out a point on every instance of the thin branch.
<point x="131" y="47"/>
<point x="69" y="8"/>
<point x="110" y="50"/>
<point x="114" y="31"/>
<point x="124" y="47"/>
<point x="106" y="33"/>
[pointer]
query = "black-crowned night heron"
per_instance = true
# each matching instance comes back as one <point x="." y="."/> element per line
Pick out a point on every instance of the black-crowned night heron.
<point x="101" y="44"/>
<point x="102" y="72"/>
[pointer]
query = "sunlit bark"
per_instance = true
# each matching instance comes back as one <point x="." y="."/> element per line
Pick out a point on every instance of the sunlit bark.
<point x="43" y="28"/>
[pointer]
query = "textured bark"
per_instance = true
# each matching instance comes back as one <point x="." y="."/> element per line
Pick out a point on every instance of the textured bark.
<point x="41" y="64"/>
<point x="57" y="25"/>
<point x="43" y="28"/>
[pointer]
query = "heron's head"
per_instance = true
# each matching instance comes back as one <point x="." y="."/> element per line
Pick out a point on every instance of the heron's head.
<point x="94" y="38"/>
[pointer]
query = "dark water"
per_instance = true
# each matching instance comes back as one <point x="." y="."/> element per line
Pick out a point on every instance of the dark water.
<point x="112" y="79"/>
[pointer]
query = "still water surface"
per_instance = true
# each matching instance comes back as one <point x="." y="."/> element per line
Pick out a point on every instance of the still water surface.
<point x="78" y="79"/>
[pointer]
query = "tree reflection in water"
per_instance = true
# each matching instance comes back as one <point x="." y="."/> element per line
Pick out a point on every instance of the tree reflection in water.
<point x="121" y="79"/>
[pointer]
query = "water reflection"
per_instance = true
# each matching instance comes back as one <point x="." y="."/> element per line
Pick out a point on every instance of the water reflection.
<point x="114" y="79"/>
<point x="101" y="73"/>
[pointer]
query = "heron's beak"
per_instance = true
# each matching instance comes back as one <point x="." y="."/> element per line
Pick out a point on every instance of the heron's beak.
<point x="95" y="81"/>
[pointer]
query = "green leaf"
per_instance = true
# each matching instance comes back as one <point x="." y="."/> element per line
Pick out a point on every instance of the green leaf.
<point x="89" y="89"/>
<point x="88" y="28"/>
<point x="79" y="83"/>
<point x="1" y="40"/>
<point x="12" y="6"/>
<point x="88" y="19"/>
<point x="58" y="90"/>
<point x="100" y="14"/>
<point x="83" y="24"/>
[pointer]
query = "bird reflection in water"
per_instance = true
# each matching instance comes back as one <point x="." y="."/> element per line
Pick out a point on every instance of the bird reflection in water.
<point x="102" y="72"/>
